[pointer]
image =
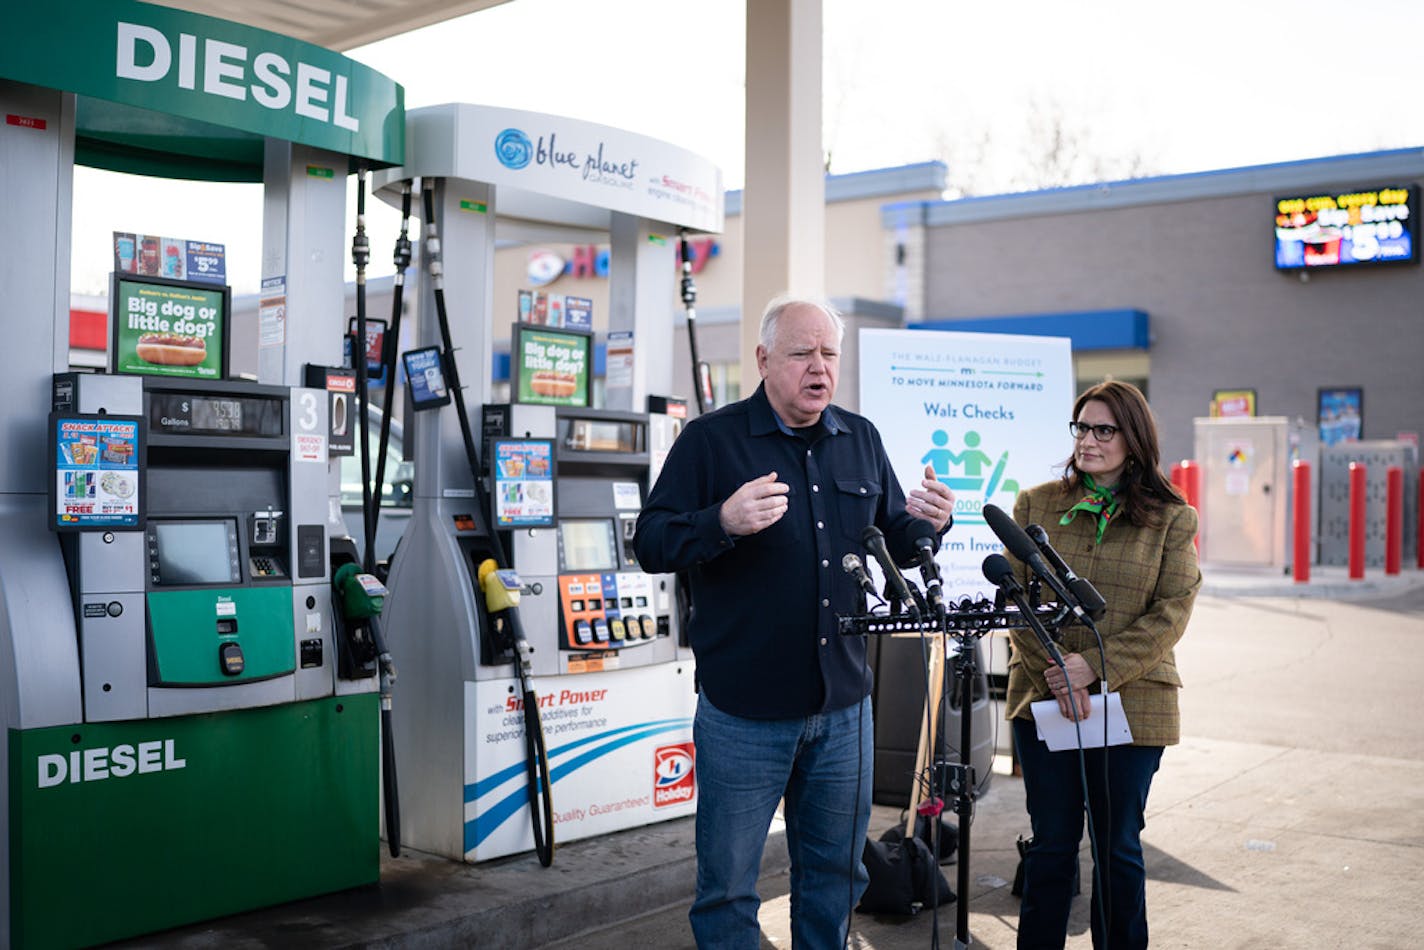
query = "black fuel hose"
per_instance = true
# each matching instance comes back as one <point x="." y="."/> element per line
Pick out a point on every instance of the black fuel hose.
<point x="689" y="298"/>
<point x="360" y="256"/>
<point x="402" y="261"/>
<point x="536" y="762"/>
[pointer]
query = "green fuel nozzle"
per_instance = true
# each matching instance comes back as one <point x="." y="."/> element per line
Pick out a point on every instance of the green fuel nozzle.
<point x="362" y="594"/>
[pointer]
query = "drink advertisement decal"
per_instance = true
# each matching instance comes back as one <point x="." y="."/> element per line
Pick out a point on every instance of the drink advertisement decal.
<point x="988" y="411"/>
<point x="425" y="373"/>
<point x="168" y="330"/>
<point x="151" y="255"/>
<point x="96" y="472"/>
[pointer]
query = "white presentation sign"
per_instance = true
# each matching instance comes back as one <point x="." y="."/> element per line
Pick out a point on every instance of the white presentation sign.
<point x="989" y="411"/>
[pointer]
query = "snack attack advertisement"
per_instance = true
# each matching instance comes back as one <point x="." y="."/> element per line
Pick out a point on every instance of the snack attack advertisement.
<point x="96" y="472"/>
<point x="524" y="483"/>
<point x="553" y="367"/>
<point x="168" y="328"/>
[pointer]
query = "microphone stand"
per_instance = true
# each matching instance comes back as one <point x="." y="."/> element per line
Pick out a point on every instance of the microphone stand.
<point x="958" y="778"/>
<point x="967" y="624"/>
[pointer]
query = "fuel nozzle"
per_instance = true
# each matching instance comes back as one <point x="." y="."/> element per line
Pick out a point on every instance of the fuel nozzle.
<point x="362" y="595"/>
<point x="501" y="587"/>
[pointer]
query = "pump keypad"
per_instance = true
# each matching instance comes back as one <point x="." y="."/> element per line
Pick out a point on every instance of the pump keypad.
<point x="267" y="567"/>
<point x="606" y="611"/>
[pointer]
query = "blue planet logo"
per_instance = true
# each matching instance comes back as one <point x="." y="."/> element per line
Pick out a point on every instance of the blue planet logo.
<point x="513" y="149"/>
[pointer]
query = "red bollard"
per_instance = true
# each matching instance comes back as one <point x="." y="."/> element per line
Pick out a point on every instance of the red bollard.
<point x="1394" y="519"/>
<point x="1300" y="526"/>
<point x="1191" y="487"/>
<point x="1178" y="477"/>
<point x="1419" y="533"/>
<point x="1358" y="471"/>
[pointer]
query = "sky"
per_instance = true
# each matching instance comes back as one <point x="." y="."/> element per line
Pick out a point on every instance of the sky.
<point x="1138" y="87"/>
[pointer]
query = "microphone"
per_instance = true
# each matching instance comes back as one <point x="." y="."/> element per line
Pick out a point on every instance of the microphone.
<point x="929" y="572"/>
<point x="999" y="572"/>
<point x="1025" y="550"/>
<point x="874" y="542"/>
<point x="1091" y="601"/>
<point x="852" y="566"/>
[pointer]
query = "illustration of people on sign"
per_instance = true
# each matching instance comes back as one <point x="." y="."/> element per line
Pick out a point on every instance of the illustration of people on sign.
<point x="972" y="462"/>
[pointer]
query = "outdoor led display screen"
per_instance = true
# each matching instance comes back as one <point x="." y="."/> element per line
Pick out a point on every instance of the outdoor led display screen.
<point x="1347" y="228"/>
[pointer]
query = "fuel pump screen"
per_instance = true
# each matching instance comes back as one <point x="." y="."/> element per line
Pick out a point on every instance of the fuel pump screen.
<point x="587" y="545"/>
<point x="194" y="552"/>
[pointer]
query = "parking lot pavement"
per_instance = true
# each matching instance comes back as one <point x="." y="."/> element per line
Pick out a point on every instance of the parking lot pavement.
<point x="1288" y="817"/>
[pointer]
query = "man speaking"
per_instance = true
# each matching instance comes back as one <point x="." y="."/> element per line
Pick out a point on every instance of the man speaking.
<point x="758" y="503"/>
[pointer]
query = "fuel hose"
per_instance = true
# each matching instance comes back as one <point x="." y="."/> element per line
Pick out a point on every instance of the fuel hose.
<point x="536" y="762"/>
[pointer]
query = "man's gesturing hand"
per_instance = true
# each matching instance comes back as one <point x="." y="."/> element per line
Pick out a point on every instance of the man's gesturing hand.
<point x="756" y="505"/>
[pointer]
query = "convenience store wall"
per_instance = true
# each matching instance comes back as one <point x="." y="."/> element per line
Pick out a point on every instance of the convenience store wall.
<point x="1196" y="253"/>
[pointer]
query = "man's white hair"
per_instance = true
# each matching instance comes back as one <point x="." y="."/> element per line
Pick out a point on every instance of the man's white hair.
<point x="772" y="316"/>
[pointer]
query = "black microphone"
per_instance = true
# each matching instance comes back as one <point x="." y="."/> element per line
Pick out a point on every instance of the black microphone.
<point x="929" y="572"/>
<point x="1021" y="547"/>
<point x="852" y="566"/>
<point x="1088" y="597"/>
<point x="999" y="572"/>
<point x="874" y="542"/>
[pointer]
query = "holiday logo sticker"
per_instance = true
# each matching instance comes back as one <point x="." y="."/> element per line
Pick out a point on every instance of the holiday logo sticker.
<point x="674" y="774"/>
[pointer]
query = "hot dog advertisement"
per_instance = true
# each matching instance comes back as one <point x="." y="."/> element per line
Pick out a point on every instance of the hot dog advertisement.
<point x="168" y="328"/>
<point x="553" y="366"/>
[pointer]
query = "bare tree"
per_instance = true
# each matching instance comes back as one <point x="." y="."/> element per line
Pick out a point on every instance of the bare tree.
<point x="1052" y="151"/>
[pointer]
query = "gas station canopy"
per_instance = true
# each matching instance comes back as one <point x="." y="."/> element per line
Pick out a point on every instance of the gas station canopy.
<point x="335" y="24"/>
<point x="191" y="96"/>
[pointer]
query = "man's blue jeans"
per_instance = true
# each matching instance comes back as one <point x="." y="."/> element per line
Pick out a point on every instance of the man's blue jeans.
<point x="821" y="765"/>
<point x="1053" y="787"/>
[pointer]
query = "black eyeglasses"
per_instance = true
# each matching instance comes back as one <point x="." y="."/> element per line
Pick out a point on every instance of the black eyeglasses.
<point x="1103" y="433"/>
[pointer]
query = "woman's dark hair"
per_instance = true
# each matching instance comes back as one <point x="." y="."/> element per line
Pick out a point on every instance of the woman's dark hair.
<point x="1144" y="490"/>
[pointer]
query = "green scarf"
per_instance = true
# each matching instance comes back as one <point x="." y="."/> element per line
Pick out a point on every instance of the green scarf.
<point x="1101" y="502"/>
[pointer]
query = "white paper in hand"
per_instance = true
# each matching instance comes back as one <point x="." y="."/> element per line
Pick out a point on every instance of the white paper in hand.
<point x="1060" y="734"/>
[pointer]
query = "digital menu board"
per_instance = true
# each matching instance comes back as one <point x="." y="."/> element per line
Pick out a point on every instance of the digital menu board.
<point x="1348" y="227"/>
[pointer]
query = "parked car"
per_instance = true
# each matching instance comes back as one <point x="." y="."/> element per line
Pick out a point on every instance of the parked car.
<point x="397" y="494"/>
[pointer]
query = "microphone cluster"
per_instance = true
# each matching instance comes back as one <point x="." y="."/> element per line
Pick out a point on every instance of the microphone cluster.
<point x="1074" y="592"/>
<point x="897" y="588"/>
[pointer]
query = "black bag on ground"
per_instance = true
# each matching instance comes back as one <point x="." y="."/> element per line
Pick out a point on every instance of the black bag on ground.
<point x="902" y="875"/>
<point x="948" y="835"/>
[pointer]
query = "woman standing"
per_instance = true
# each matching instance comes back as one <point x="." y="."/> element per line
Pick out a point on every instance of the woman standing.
<point x="1120" y="524"/>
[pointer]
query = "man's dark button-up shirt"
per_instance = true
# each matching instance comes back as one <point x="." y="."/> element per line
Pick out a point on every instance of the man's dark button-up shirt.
<point x="764" y="606"/>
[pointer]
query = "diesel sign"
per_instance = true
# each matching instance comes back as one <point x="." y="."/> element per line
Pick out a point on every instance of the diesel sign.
<point x="94" y="765"/>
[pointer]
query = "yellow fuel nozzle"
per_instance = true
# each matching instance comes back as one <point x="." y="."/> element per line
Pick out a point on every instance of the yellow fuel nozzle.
<point x="501" y="587"/>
